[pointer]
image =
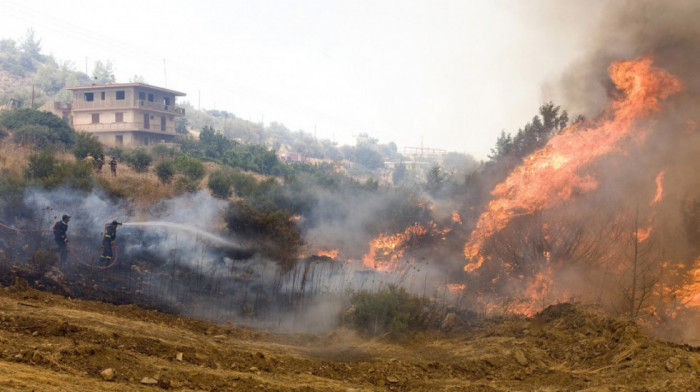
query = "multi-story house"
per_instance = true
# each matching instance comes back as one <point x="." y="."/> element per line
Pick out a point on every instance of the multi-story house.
<point x="126" y="114"/>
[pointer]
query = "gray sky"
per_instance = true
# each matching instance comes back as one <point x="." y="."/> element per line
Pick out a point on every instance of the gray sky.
<point x="445" y="74"/>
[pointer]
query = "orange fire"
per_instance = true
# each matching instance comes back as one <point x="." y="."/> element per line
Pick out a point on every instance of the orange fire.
<point x="556" y="172"/>
<point x="659" y="187"/>
<point x="456" y="288"/>
<point x="456" y="218"/>
<point x="332" y="253"/>
<point x="385" y="250"/>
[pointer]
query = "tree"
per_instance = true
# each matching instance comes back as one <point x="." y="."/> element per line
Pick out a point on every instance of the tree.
<point x="165" y="170"/>
<point x="103" y="72"/>
<point x="220" y="184"/>
<point x="41" y="165"/>
<point x="435" y="180"/>
<point x="192" y="168"/>
<point x="399" y="174"/>
<point x="139" y="160"/>
<point x="59" y="131"/>
<point x="31" y="46"/>
<point x="86" y="143"/>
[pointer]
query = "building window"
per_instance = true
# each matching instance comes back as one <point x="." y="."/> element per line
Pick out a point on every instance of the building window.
<point x="102" y="95"/>
<point x="89" y="97"/>
<point x="166" y="101"/>
<point x="151" y="98"/>
<point x="118" y="117"/>
<point x="162" y="123"/>
<point x="95" y="118"/>
<point x="146" y="121"/>
<point x="119" y="139"/>
<point x="142" y="96"/>
<point x="120" y="95"/>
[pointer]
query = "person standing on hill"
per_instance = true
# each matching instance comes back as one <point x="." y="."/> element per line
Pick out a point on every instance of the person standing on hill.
<point x="113" y="166"/>
<point x="61" y="238"/>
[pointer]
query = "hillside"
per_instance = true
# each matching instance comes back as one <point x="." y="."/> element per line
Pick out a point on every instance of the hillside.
<point x="51" y="343"/>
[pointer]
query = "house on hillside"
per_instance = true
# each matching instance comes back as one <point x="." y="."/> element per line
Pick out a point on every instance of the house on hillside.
<point x="126" y="114"/>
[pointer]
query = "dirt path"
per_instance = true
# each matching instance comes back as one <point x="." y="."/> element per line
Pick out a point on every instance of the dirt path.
<point x="51" y="343"/>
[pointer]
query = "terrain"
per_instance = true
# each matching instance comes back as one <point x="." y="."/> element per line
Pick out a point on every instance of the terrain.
<point x="54" y="343"/>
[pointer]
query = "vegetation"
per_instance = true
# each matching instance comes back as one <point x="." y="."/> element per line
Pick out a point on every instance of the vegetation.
<point x="138" y="159"/>
<point x="165" y="170"/>
<point x="271" y="228"/>
<point x="387" y="312"/>
<point x="42" y="127"/>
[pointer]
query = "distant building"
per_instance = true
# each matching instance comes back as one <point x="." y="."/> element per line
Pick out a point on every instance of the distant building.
<point x="126" y="114"/>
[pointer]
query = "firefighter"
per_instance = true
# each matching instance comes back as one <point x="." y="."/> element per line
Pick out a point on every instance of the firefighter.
<point x="108" y="242"/>
<point x="99" y="163"/>
<point x="113" y="166"/>
<point x="60" y="237"/>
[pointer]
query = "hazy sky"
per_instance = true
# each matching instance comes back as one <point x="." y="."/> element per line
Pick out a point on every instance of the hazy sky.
<point x="445" y="74"/>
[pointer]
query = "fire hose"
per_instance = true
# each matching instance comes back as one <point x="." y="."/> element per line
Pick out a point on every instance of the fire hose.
<point x="70" y="249"/>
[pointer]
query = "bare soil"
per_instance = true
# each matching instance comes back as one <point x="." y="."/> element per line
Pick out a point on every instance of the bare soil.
<point x="53" y="343"/>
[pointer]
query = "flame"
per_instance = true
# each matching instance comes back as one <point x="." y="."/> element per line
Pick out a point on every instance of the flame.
<point x="456" y="218"/>
<point x="456" y="288"/>
<point x="659" y="187"/>
<point x="556" y="172"/>
<point x="643" y="234"/>
<point x="332" y="253"/>
<point x="385" y="250"/>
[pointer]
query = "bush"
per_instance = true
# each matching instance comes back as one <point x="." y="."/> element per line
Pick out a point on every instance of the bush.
<point x="163" y="151"/>
<point x="41" y="165"/>
<point x="78" y="175"/>
<point x="85" y="144"/>
<point x="192" y="168"/>
<point x="139" y="160"/>
<point x="184" y="184"/>
<point x="33" y="135"/>
<point x="272" y="228"/>
<point x="41" y="261"/>
<point x="220" y="184"/>
<point x="391" y="312"/>
<point x="116" y="152"/>
<point x="59" y="130"/>
<point x="165" y="171"/>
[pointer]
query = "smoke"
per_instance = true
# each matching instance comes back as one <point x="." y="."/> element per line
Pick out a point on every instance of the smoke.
<point x="667" y="32"/>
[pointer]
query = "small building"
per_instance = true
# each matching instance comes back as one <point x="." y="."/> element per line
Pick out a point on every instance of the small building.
<point x="126" y="114"/>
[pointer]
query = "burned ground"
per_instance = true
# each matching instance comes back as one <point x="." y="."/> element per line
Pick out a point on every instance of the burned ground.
<point x="54" y="343"/>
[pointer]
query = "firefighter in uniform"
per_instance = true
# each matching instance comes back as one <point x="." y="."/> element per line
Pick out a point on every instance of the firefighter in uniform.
<point x="60" y="237"/>
<point x="108" y="242"/>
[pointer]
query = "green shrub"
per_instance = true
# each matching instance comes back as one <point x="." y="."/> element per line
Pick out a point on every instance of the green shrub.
<point x="59" y="131"/>
<point x="184" y="184"/>
<point x="392" y="311"/>
<point x="192" y="168"/>
<point x="139" y="160"/>
<point x="11" y="191"/>
<point x="78" y="175"/>
<point x="163" y="151"/>
<point x="41" y="165"/>
<point x="86" y="143"/>
<point x="116" y="152"/>
<point x="33" y="135"/>
<point x="271" y="227"/>
<point x="220" y="184"/>
<point x="165" y="170"/>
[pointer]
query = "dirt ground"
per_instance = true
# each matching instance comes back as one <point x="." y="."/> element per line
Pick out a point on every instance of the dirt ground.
<point x="52" y="343"/>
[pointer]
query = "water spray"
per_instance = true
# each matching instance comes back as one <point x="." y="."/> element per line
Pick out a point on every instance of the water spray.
<point x="182" y="227"/>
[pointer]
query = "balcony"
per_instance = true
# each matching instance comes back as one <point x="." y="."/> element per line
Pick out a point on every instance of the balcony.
<point x="122" y="127"/>
<point x="161" y="107"/>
